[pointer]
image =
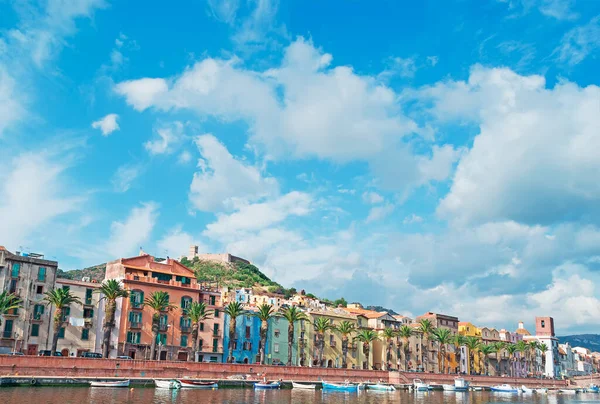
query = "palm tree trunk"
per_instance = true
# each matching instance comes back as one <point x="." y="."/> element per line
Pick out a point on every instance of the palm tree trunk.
<point x="406" y="354"/>
<point x="195" y="327"/>
<point x="344" y="351"/>
<point x="232" y="327"/>
<point x="154" y="336"/>
<point x="57" y="324"/>
<point x="263" y="341"/>
<point x="443" y="353"/>
<point x="109" y="323"/>
<point x="290" y="343"/>
<point x="367" y="350"/>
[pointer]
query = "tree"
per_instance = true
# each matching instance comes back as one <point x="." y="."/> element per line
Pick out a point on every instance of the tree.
<point x="522" y="349"/>
<point x="472" y="343"/>
<point x="499" y="347"/>
<point x="264" y="314"/>
<point x="159" y="302"/>
<point x="458" y="341"/>
<point x="8" y="302"/>
<point x="340" y="302"/>
<point x="486" y="350"/>
<point x="443" y="337"/>
<point x="60" y="298"/>
<point x="345" y="328"/>
<point x="533" y="346"/>
<point x="388" y="334"/>
<point x="511" y="349"/>
<point x="111" y="290"/>
<point x="292" y="315"/>
<point x="197" y="313"/>
<point x="425" y="330"/>
<point x="405" y="332"/>
<point x="543" y="349"/>
<point x="321" y="325"/>
<point x="366" y="337"/>
<point x="233" y="310"/>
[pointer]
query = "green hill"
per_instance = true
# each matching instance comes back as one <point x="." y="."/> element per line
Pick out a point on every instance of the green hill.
<point x="95" y="273"/>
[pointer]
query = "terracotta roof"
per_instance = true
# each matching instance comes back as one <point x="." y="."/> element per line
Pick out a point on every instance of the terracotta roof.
<point x="147" y="263"/>
<point x="522" y="331"/>
<point x="464" y="323"/>
<point x="366" y="313"/>
<point x="2" y="248"/>
<point x="414" y="325"/>
<point x="561" y="351"/>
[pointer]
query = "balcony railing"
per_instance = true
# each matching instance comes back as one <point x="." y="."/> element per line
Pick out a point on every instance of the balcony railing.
<point x="37" y="317"/>
<point x="135" y="325"/>
<point x="12" y="313"/>
<point x="163" y="327"/>
<point x="7" y="335"/>
<point x="186" y="329"/>
<point x="216" y="333"/>
<point x="137" y="305"/>
<point x="332" y="344"/>
<point x="88" y="322"/>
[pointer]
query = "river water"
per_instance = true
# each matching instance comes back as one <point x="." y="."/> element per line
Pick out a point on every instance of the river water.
<point x="82" y="395"/>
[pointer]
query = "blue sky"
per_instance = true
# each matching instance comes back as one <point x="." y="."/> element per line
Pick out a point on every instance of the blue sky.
<point x="417" y="155"/>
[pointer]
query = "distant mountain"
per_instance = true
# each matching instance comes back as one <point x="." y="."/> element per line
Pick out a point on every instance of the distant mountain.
<point x="589" y="341"/>
<point x="95" y="273"/>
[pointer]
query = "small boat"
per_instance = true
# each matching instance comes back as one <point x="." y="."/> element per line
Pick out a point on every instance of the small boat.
<point x="526" y="389"/>
<point x="567" y="391"/>
<point x="302" y="386"/>
<point x="190" y="384"/>
<point x="542" y="390"/>
<point x="167" y="384"/>
<point x="504" y="388"/>
<point x="351" y="387"/>
<point x="381" y="387"/>
<point x="267" y="385"/>
<point x="593" y="389"/>
<point x="448" y="387"/>
<point x="420" y="386"/>
<point x="479" y="388"/>
<point x="461" y="384"/>
<point x="116" y="383"/>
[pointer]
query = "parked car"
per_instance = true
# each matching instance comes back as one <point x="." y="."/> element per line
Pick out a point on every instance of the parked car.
<point x="124" y="357"/>
<point x="16" y="354"/>
<point x="94" y="355"/>
<point x="48" y="352"/>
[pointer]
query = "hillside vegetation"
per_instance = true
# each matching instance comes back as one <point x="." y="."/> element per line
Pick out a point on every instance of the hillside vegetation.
<point x="589" y="341"/>
<point x="95" y="273"/>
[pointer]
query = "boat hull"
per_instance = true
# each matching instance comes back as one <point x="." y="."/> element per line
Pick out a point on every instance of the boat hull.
<point x="186" y="384"/>
<point x="167" y="384"/>
<point x="341" y="387"/>
<point x="124" y="383"/>
<point x="301" y="386"/>
<point x="503" y="390"/>
<point x="266" y="386"/>
<point x="381" y="387"/>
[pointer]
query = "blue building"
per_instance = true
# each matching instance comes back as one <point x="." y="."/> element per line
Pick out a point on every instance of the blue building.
<point x="247" y="339"/>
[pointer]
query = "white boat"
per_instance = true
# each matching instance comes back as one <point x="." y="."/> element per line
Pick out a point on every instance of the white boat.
<point x="302" y="386"/>
<point x="504" y="388"/>
<point x="190" y="384"/>
<point x="542" y="390"/>
<point x="567" y="391"/>
<point x="448" y="387"/>
<point x="477" y="388"/>
<point x="420" y="386"/>
<point x="167" y="384"/>
<point x="381" y="387"/>
<point x="526" y="389"/>
<point x="116" y="383"/>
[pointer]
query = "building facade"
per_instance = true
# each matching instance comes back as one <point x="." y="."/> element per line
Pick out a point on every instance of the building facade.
<point x="29" y="276"/>
<point x="246" y="340"/>
<point x="430" y="351"/>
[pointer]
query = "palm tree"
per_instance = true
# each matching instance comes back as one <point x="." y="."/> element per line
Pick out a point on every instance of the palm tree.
<point x="59" y="298"/>
<point x="111" y="291"/>
<point x="405" y="332"/>
<point x="426" y="329"/>
<point x="543" y="349"/>
<point x="533" y="346"/>
<point x="366" y="337"/>
<point x="522" y="349"/>
<point x="388" y="333"/>
<point x="511" y="349"/>
<point x="322" y="325"/>
<point x="292" y="315"/>
<point x="443" y="337"/>
<point x="499" y="346"/>
<point x="486" y="350"/>
<point x="264" y="314"/>
<point x="472" y="343"/>
<point x="458" y="341"/>
<point x="233" y="310"/>
<point x="159" y="302"/>
<point x="8" y="302"/>
<point x="345" y="328"/>
<point x="197" y="313"/>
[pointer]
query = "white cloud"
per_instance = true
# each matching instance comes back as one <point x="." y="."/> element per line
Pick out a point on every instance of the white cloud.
<point x="34" y="192"/>
<point x="125" y="176"/>
<point x="126" y="237"/>
<point x="536" y="147"/>
<point x="11" y="103"/>
<point x="224" y="10"/>
<point x="185" y="157"/>
<point x="224" y="181"/>
<point x="107" y="125"/>
<point x="432" y="60"/>
<point x="142" y="93"/>
<point x="412" y="219"/>
<point x="169" y="137"/>
<point x="177" y="243"/>
<point x="372" y="197"/>
<point x="401" y="67"/>
<point x="579" y="42"/>
<point x="558" y="9"/>
<point x="379" y="212"/>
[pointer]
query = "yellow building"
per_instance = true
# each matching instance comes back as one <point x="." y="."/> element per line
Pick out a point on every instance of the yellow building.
<point x="468" y="329"/>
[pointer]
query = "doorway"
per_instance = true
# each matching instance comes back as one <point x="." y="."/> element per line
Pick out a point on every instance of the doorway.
<point x="163" y="356"/>
<point x="32" y="349"/>
<point x="65" y="352"/>
<point x="182" y="356"/>
<point x="132" y="354"/>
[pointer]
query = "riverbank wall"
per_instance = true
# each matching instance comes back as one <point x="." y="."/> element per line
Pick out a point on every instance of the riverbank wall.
<point x="20" y="366"/>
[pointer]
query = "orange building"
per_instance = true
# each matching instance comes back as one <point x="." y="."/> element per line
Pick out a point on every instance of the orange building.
<point x="133" y="335"/>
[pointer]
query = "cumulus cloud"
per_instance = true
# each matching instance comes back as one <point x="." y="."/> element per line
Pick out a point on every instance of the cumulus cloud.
<point x="128" y="236"/>
<point x="107" y="125"/>
<point x="168" y="138"/>
<point x="401" y="67"/>
<point x="224" y="181"/>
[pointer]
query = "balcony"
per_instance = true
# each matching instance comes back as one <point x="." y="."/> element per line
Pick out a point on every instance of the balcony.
<point x="216" y="333"/>
<point x="37" y="317"/>
<point x="137" y="305"/>
<point x="12" y="313"/>
<point x="88" y="302"/>
<point x="163" y="327"/>
<point x="7" y="335"/>
<point x="332" y="344"/>
<point x="135" y="325"/>
<point x="186" y="329"/>
<point x="88" y="322"/>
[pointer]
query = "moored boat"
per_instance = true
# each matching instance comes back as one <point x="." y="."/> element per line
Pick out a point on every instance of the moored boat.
<point x="381" y="387"/>
<point x="115" y="383"/>
<point x="420" y="386"/>
<point x="167" y="384"/>
<point x="542" y="390"/>
<point x="504" y="388"/>
<point x="448" y="387"/>
<point x="461" y="384"/>
<point x="267" y="385"/>
<point x="190" y="384"/>
<point x="567" y="391"/>
<point x="303" y="386"/>
<point x="526" y="389"/>
<point x="593" y="389"/>
<point x="349" y="387"/>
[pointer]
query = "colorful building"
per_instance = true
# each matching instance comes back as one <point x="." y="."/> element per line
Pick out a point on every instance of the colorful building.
<point x="277" y="342"/>
<point x="246" y="340"/>
<point x="431" y="353"/>
<point x="142" y="276"/>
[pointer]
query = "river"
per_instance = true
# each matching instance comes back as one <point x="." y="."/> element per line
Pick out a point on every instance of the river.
<point x="82" y="395"/>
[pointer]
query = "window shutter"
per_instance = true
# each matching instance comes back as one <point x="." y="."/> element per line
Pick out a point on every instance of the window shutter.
<point x="131" y="317"/>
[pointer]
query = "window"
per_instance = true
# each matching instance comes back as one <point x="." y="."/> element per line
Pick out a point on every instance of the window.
<point x="163" y="321"/>
<point x="215" y="347"/>
<point x="135" y="317"/>
<point x="134" y="337"/>
<point x="201" y="326"/>
<point x="216" y="329"/>
<point x="66" y="312"/>
<point x="235" y="345"/>
<point x="162" y="277"/>
<point x="8" y="326"/>
<point x="39" y="290"/>
<point x="277" y="333"/>
<point x="41" y="274"/>
<point x="247" y="346"/>
<point x="67" y="288"/>
<point x="186" y="303"/>
<point x="276" y="347"/>
<point x="247" y="331"/>
<point x="161" y="339"/>
<point x="217" y="313"/>
<point x="35" y="330"/>
<point x="15" y="270"/>
<point x="331" y="340"/>
<point x="61" y="332"/>
<point x="183" y="279"/>
<point x="543" y="324"/>
<point x="85" y="334"/>
<point x="136" y="298"/>
<point x="88" y="296"/>
<point x="184" y="340"/>
<point x="38" y="311"/>
<point x="88" y="313"/>
<point x="185" y="322"/>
